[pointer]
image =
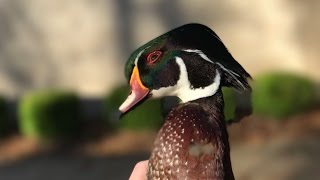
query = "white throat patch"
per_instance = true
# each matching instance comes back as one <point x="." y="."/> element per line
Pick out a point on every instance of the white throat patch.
<point x="183" y="88"/>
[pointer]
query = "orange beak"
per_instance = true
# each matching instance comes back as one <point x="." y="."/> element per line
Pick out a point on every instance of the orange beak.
<point x="138" y="92"/>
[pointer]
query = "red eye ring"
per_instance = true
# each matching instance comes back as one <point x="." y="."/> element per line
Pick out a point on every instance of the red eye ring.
<point x="153" y="57"/>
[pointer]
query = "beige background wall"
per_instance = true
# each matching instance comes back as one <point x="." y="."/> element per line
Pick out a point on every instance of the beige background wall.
<point x="82" y="45"/>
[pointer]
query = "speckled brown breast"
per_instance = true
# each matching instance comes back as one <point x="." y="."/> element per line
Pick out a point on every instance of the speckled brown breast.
<point x="189" y="146"/>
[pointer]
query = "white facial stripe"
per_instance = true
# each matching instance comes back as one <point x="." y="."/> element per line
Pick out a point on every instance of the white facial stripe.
<point x="200" y="53"/>
<point x="138" y="56"/>
<point x="232" y="74"/>
<point x="183" y="87"/>
<point x="225" y="69"/>
<point x="205" y="57"/>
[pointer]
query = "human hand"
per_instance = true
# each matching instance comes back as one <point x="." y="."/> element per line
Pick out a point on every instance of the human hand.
<point x="139" y="171"/>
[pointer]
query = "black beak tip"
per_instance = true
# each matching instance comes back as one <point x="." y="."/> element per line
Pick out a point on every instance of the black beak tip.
<point x="119" y="114"/>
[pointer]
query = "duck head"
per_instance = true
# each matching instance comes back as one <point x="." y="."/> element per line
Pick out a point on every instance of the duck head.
<point x="189" y="62"/>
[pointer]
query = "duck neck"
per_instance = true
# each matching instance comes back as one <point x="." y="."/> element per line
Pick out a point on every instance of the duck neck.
<point x="213" y="106"/>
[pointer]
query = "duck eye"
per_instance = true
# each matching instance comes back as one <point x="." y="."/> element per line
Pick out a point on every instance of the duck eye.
<point x="154" y="56"/>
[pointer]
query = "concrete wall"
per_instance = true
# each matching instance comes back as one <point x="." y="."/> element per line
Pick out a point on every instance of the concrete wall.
<point x="82" y="45"/>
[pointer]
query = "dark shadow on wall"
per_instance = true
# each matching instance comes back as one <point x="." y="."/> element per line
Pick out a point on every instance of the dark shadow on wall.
<point x="124" y="25"/>
<point x="170" y="13"/>
<point x="167" y="11"/>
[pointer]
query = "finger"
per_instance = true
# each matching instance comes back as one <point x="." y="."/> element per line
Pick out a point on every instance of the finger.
<point x="140" y="171"/>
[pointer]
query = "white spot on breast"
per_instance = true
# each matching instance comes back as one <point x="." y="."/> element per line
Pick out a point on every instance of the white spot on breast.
<point x="200" y="149"/>
<point x="171" y="163"/>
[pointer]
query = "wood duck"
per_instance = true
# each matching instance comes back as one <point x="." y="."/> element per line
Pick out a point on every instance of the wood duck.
<point x="192" y="63"/>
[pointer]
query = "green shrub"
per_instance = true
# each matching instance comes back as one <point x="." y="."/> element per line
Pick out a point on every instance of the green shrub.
<point x="317" y="98"/>
<point x="229" y="97"/>
<point x="3" y="117"/>
<point x="49" y="115"/>
<point x="139" y="118"/>
<point x="280" y="95"/>
<point x="145" y="116"/>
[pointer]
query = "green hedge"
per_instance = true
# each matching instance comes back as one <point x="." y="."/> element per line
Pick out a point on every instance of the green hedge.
<point x="280" y="95"/>
<point x="140" y="117"/>
<point x="49" y="115"/>
<point x="145" y="116"/>
<point x="3" y="117"/>
<point x="229" y="97"/>
<point x="277" y="95"/>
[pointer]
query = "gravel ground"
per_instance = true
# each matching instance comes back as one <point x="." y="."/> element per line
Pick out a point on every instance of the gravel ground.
<point x="260" y="150"/>
<point x="70" y="167"/>
<point x="280" y="159"/>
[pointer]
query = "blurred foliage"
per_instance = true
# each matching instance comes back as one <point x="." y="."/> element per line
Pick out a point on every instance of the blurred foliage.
<point x="280" y="95"/>
<point x="56" y="115"/>
<point x="49" y="115"/>
<point x="229" y="97"/>
<point x="3" y="117"/>
<point x="140" y="117"/>
<point x="277" y="95"/>
<point x="145" y="116"/>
